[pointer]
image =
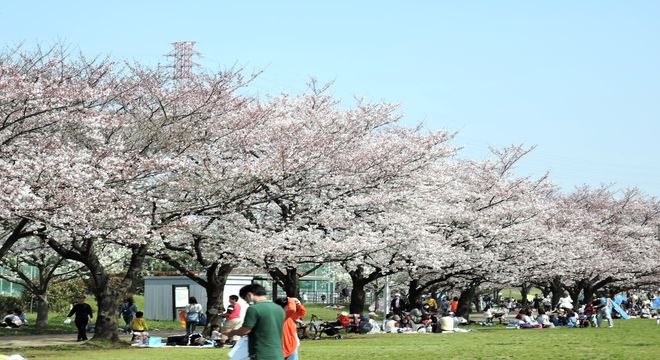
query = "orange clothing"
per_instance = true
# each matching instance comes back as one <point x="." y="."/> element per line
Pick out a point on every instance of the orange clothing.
<point x="292" y="313"/>
<point x="344" y="320"/>
<point x="453" y="306"/>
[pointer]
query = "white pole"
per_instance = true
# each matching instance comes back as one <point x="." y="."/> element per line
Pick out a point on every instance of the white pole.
<point x="386" y="304"/>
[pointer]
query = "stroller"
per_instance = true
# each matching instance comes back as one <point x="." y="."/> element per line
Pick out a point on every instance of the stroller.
<point x="318" y="327"/>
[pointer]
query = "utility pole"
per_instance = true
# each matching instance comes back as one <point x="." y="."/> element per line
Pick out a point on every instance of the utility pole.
<point x="183" y="65"/>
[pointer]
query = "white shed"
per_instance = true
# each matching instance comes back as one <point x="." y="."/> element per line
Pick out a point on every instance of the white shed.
<point x="164" y="296"/>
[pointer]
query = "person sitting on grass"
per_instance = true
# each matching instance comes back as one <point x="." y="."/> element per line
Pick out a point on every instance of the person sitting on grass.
<point x="565" y="302"/>
<point x="364" y="327"/>
<point x="426" y="320"/>
<point x="571" y="318"/>
<point x="646" y="312"/>
<point x="21" y="316"/>
<point x="406" y="324"/>
<point x="216" y="336"/>
<point x="139" y="325"/>
<point x="375" y="326"/>
<point x="488" y="315"/>
<point x="391" y="324"/>
<point x="11" y="320"/>
<point x="432" y="305"/>
<point x="343" y="319"/>
<point x="525" y="319"/>
<point x="447" y="322"/>
<point x="543" y="319"/>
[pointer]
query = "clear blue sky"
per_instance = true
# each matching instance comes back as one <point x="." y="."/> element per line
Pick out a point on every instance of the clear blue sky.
<point x="580" y="79"/>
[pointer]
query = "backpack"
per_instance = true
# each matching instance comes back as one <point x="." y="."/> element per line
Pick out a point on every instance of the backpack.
<point x="364" y="327"/>
<point x="126" y="310"/>
<point x="201" y="319"/>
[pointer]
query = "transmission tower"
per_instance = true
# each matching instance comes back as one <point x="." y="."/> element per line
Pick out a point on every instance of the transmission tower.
<point x="182" y="65"/>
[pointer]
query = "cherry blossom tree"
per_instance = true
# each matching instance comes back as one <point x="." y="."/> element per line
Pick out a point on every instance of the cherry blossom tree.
<point x="92" y="179"/>
<point x="332" y="186"/>
<point x="479" y="222"/>
<point x="33" y="265"/>
<point x="41" y="91"/>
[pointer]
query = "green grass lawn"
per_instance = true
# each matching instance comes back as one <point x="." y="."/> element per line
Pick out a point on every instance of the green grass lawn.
<point x="630" y="339"/>
<point x="323" y="312"/>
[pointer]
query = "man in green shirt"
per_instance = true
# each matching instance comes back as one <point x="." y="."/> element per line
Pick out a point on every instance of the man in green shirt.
<point x="263" y="324"/>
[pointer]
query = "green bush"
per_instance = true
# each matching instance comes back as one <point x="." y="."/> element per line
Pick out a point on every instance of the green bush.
<point x="9" y="303"/>
<point x="60" y="294"/>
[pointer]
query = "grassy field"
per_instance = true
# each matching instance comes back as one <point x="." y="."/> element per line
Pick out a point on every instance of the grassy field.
<point x="631" y="339"/>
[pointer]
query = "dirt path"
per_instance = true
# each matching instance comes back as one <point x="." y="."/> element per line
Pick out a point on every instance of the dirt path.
<point x="14" y="342"/>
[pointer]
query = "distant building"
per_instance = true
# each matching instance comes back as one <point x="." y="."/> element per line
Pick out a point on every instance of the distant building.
<point x="8" y="288"/>
<point x="165" y="296"/>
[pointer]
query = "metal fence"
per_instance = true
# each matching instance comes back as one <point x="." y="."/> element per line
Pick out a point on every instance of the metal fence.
<point x="323" y="297"/>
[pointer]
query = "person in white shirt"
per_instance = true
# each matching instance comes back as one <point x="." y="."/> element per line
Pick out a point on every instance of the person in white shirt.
<point x="565" y="302"/>
<point x="447" y="322"/>
<point x="216" y="336"/>
<point x="547" y="303"/>
<point x="11" y="320"/>
<point x="646" y="312"/>
<point x="488" y="314"/>
<point x="193" y="312"/>
<point x="375" y="327"/>
<point x="544" y="320"/>
<point x="391" y="324"/>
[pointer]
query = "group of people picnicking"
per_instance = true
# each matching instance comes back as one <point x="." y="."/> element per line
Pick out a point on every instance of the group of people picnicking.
<point x="265" y="330"/>
<point x="272" y="326"/>
<point x="438" y="313"/>
<point x="14" y="319"/>
<point x="601" y="308"/>
<point x="435" y="314"/>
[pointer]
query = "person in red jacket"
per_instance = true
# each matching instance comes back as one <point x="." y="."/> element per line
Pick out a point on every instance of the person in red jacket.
<point x="453" y="306"/>
<point x="293" y="311"/>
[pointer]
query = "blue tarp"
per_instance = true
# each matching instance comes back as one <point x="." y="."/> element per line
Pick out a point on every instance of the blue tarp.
<point x="620" y="298"/>
<point x="656" y="303"/>
<point x="624" y="315"/>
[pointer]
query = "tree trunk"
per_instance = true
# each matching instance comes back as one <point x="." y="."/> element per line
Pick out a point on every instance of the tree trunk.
<point x="496" y="296"/>
<point x="107" y="316"/>
<point x="556" y="288"/>
<point x="575" y="291"/>
<point x="216" y="278"/>
<point x="109" y="294"/>
<point x="378" y="292"/>
<point x="477" y="303"/>
<point x="358" y="297"/>
<point x="16" y="234"/>
<point x="288" y="280"/>
<point x="360" y="280"/>
<point x="42" y="311"/>
<point x="465" y="301"/>
<point x="415" y="293"/>
<point x="524" y="291"/>
<point x="588" y="293"/>
<point x="593" y="285"/>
